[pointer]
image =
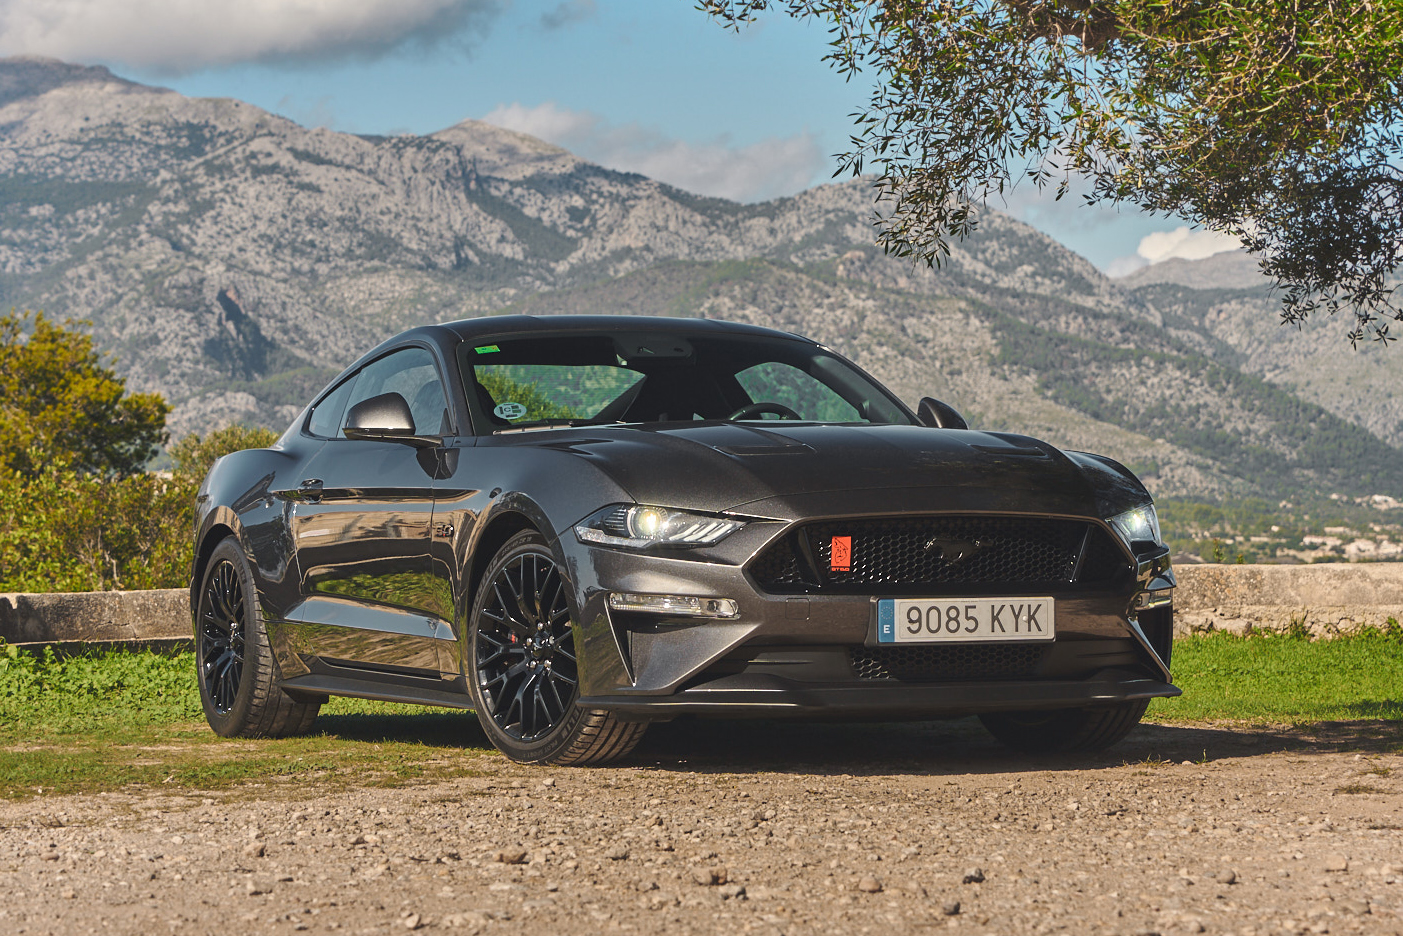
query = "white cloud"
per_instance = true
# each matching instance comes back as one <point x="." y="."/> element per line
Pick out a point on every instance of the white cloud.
<point x="1124" y="266"/>
<point x="1185" y="244"/>
<point x="177" y="36"/>
<point x="768" y="169"/>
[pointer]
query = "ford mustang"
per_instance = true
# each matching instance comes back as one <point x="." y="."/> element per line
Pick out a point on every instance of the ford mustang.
<point x="576" y="525"/>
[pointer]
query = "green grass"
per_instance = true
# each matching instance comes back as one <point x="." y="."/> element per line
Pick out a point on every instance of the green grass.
<point x="106" y="721"/>
<point x="1286" y="679"/>
<point x="112" y="720"/>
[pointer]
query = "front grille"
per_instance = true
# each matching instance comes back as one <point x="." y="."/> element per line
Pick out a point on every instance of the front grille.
<point x="947" y="663"/>
<point x="888" y="554"/>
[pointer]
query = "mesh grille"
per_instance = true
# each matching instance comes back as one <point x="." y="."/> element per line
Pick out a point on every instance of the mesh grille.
<point x="778" y="565"/>
<point x="946" y="663"/>
<point x="933" y="551"/>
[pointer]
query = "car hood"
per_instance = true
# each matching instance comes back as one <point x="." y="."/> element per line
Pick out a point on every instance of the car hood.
<point x="773" y="470"/>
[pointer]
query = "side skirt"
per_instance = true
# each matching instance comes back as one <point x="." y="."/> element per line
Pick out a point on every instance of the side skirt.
<point x="362" y="686"/>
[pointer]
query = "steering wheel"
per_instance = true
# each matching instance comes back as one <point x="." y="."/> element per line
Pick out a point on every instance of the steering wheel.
<point x="751" y="410"/>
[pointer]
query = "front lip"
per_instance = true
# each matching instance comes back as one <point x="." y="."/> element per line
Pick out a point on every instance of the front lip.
<point x="775" y="697"/>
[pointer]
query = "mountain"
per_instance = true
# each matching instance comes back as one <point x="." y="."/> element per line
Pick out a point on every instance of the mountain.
<point x="1223" y="307"/>
<point x="234" y="260"/>
<point x="1233" y="269"/>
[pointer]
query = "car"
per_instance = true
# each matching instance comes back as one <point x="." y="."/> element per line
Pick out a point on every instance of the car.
<point x="577" y="525"/>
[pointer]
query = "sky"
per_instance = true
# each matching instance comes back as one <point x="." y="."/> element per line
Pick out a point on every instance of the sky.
<point x="648" y="86"/>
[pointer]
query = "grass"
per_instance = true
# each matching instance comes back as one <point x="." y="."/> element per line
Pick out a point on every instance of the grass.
<point x="107" y="721"/>
<point x="113" y="720"/>
<point x="1286" y="679"/>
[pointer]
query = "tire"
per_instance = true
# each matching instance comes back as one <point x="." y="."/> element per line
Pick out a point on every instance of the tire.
<point x="524" y="678"/>
<point x="1065" y="731"/>
<point x="234" y="663"/>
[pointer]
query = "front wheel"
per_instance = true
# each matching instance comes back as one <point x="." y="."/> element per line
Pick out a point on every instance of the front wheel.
<point x="239" y="688"/>
<point x="524" y="676"/>
<point x="1065" y="730"/>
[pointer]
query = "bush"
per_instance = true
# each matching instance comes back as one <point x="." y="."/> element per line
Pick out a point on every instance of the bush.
<point x="62" y="530"/>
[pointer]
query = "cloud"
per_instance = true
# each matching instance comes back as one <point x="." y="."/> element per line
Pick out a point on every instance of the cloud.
<point x="1185" y="244"/>
<point x="1124" y="266"/>
<point x="180" y="36"/>
<point x="1182" y="243"/>
<point x="768" y="169"/>
<point x="567" y="13"/>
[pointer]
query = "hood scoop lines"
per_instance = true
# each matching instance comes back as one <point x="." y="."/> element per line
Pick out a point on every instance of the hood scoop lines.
<point x="774" y="448"/>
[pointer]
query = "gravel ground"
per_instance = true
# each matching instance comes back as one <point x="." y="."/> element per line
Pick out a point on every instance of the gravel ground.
<point x="755" y="827"/>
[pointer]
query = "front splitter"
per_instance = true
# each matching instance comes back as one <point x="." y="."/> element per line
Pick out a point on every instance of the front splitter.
<point x="772" y="697"/>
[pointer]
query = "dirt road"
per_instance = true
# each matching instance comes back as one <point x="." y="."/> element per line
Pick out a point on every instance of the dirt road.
<point x="756" y="827"/>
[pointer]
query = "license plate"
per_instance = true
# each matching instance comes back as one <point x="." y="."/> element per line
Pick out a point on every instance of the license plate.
<point x="952" y="620"/>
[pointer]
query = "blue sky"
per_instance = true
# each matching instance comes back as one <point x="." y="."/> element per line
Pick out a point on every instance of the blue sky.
<point x="649" y="86"/>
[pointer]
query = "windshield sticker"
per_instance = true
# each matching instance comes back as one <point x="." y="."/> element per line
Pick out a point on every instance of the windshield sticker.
<point x="510" y="410"/>
<point x="487" y="349"/>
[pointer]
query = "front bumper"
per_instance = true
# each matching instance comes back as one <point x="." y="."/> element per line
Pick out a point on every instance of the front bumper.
<point x="788" y="654"/>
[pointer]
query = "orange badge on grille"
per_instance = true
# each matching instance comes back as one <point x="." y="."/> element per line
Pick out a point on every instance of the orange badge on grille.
<point x="842" y="555"/>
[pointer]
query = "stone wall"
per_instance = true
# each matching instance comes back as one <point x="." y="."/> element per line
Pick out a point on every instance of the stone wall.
<point x="115" y="617"/>
<point x="1327" y="599"/>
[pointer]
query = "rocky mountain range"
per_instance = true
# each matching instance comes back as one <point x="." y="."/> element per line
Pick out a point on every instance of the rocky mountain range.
<point x="234" y="260"/>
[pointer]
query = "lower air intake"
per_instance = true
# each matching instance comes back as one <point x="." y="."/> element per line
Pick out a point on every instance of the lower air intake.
<point x="947" y="663"/>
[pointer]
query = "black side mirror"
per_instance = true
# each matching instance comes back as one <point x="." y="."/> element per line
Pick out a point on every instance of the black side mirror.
<point x="938" y="415"/>
<point x="387" y="418"/>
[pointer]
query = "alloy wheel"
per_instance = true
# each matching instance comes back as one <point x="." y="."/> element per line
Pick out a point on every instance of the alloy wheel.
<point x="222" y="636"/>
<point x="525" y="651"/>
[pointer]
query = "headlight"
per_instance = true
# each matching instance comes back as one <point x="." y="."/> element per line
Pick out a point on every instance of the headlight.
<point x="637" y="527"/>
<point x="1140" y="525"/>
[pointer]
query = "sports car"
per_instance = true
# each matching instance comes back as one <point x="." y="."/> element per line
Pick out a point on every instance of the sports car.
<point x="577" y="525"/>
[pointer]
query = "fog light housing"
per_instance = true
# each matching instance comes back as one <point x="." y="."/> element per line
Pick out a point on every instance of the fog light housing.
<point x="674" y="605"/>
<point x="1154" y="599"/>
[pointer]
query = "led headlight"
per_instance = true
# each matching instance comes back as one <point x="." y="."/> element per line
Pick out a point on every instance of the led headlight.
<point x="1140" y="525"/>
<point x="637" y="527"/>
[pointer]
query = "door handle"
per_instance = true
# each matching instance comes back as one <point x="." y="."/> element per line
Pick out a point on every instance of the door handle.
<point x="310" y="490"/>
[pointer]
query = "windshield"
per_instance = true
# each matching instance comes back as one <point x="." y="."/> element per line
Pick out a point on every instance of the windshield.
<point x="520" y="383"/>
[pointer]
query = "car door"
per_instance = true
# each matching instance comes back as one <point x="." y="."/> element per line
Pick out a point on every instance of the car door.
<point x="361" y="529"/>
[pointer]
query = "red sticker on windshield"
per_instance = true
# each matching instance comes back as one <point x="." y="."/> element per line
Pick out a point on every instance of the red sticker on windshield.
<point x="842" y="554"/>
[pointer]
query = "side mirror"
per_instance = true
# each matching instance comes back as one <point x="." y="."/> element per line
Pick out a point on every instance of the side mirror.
<point x="385" y="418"/>
<point x="937" y="415"/>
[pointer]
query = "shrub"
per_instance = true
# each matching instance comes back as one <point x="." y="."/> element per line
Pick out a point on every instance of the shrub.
<point x="64" y="530"/>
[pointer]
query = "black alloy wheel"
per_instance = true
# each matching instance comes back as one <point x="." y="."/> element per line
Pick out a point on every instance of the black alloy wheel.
<point x="237" y="674"/>
<point x="222" y="636"/>
<point x="525" y="675"/>
<point x="525" y="652"/>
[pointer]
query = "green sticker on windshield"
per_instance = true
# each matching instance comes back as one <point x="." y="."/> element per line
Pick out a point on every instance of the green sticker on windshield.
<point x="487" y="349"/>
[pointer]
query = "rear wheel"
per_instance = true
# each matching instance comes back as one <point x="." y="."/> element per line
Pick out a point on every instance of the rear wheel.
<point x="525" y="678"/>
<point x="237" y="674"/>
<point x="1065" y="730"/>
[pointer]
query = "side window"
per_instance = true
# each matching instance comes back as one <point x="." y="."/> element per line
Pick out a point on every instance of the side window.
<point x="410" y="373"/>
<point x="325" y="421"/>
<point x="773" y="382"/>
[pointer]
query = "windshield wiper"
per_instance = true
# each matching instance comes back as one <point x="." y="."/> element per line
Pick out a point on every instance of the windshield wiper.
<point x="536" y="425"/>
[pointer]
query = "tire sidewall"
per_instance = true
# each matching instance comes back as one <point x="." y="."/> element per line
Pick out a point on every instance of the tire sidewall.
<point x="565" y="731"/>
<point x="228" y="724"/>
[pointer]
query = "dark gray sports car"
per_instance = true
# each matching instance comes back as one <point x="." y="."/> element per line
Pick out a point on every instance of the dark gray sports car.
<point x="578" y="525"/>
